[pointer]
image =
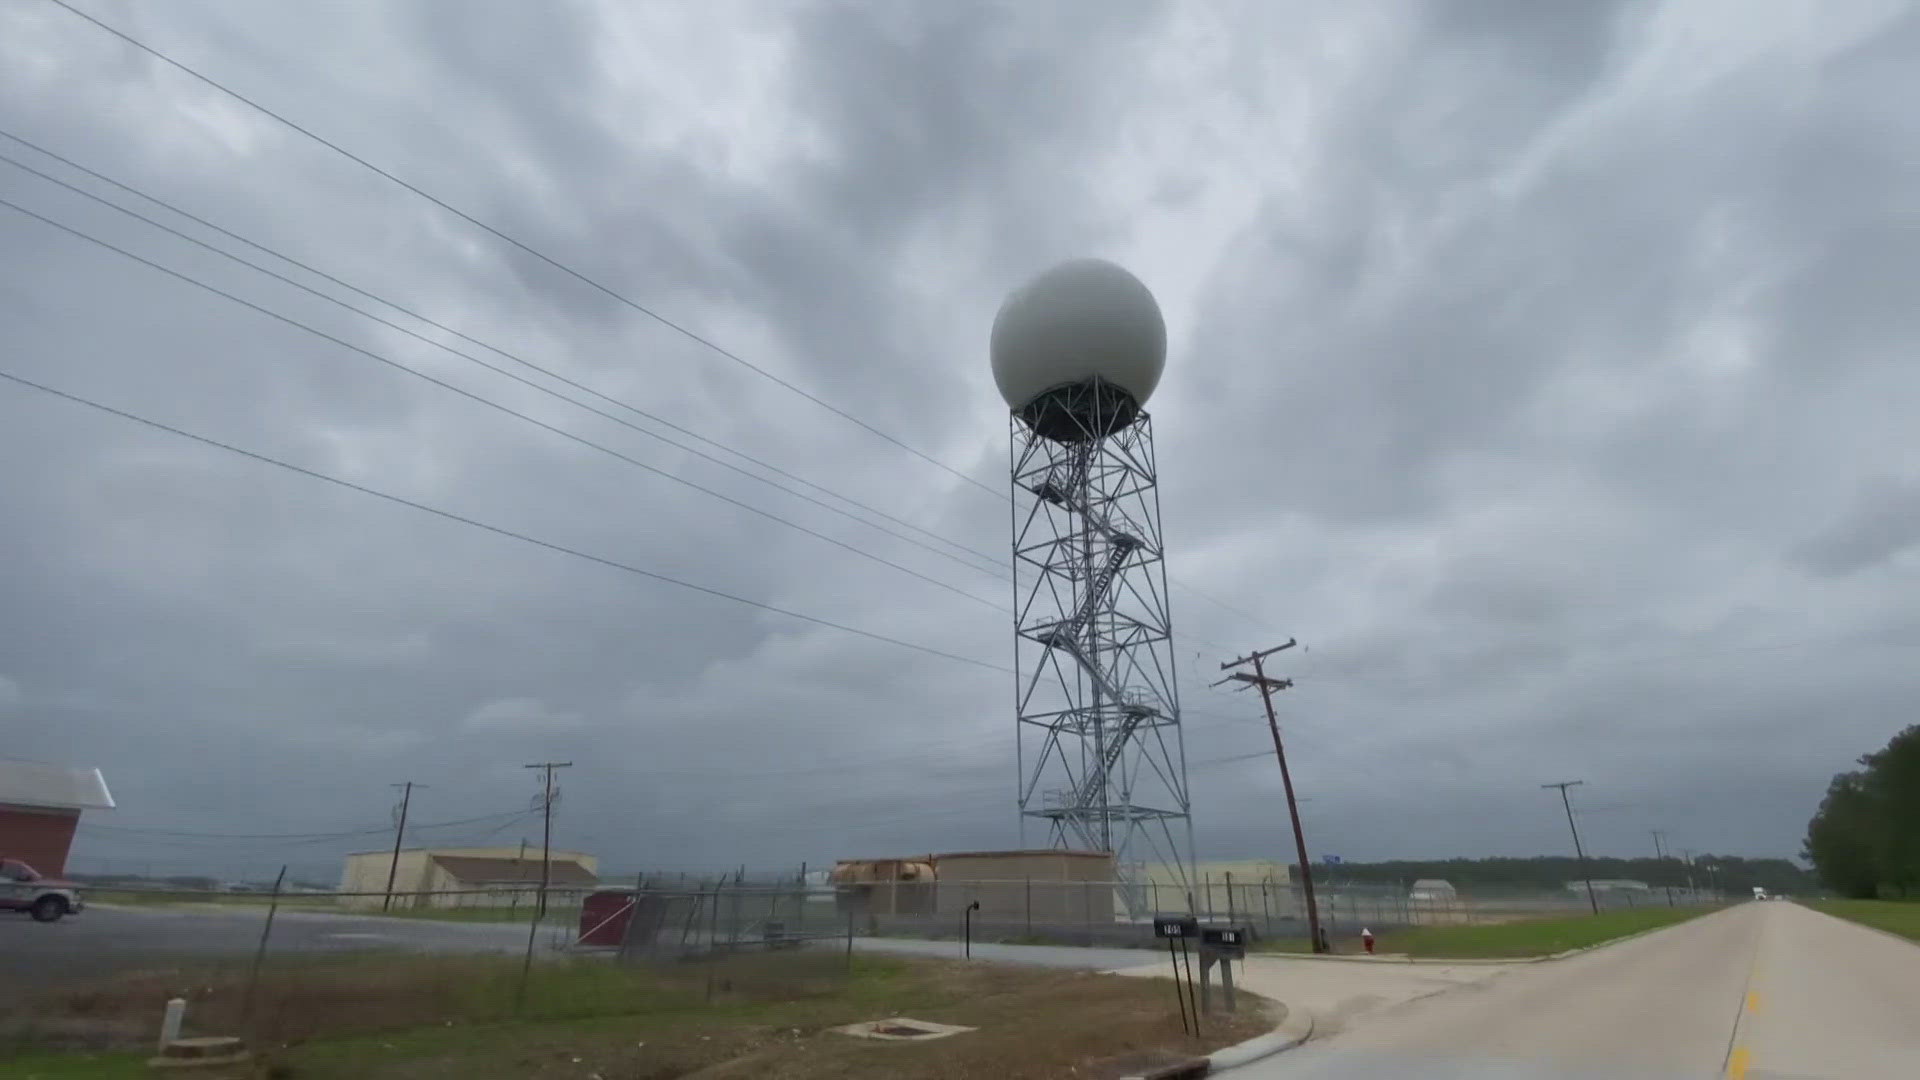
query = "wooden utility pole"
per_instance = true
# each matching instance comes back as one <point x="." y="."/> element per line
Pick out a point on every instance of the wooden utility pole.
<point x="393" y="867"/>
<point x="546" y="836"/>
<point x="1592" y="901"/>
<point x="1267" y="686"/>
<point x="1661" y="857"/>
<point x="546" y="869"/>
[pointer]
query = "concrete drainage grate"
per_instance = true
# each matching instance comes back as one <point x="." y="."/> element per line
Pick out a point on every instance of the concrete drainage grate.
<point x="901" y="1029"/>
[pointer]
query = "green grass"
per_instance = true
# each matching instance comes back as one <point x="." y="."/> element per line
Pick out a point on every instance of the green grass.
<point x="1894" y="916"/>
<point x="415" y="1018"/>
<point x="520" y="914"/>
<point x="1527" y="938"/>
<point x="78" y="1067"/>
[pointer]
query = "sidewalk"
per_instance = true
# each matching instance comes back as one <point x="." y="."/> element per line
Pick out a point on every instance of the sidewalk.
<point x="1334" y="993"/>
<point x="1337" y="994"/>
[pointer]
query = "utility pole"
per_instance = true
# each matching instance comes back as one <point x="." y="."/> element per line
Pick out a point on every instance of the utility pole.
<point x="1693" y="895"/>
<point x="393" y="866"/>
<point x="1571" y="827"/>
<point x="1267" y="687"/>
<point x="1661" y="857"/>
<point x="546" y="836"/>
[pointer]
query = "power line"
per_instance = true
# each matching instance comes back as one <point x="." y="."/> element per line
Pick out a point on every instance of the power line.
<point x="491" y="367"/>
<point x="678" y="328"/>
<point x="997" y="567"/>
<point x="492" y="404"/>
<point x="495" y="529"/>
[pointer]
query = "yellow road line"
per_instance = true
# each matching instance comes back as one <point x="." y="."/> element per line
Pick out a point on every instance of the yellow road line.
<point x="1738" y="1063"/>
<point x="1753" y="1001"/>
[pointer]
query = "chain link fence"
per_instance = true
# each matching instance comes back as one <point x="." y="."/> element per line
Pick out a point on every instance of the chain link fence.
<point x="280" y="967"/>
<point x="283" y="965"/>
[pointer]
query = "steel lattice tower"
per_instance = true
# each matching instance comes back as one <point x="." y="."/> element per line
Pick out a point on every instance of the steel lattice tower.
<point x="1101" y="755"/>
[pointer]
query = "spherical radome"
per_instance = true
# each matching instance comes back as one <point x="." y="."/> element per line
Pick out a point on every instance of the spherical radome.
<point x="1082" y="318"/>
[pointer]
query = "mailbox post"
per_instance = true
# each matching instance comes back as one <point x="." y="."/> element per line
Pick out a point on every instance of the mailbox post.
<point x="1220" y="945"/>
<point x="1176" y="931"/>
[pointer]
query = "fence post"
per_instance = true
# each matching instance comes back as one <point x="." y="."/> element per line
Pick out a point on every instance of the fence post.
<point x="713" y="936"/>
<point x="849" y="938"/>
<point x="1266" y="910"/>
<point x="633" y="918"/>
<point x="260" y="953"/>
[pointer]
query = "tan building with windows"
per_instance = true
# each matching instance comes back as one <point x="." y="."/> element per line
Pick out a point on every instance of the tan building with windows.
<point x="465" y="877"/>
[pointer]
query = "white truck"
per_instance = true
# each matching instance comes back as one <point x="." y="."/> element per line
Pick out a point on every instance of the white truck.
<point x="1759" y="893"/>
<point x="22" y="888"/>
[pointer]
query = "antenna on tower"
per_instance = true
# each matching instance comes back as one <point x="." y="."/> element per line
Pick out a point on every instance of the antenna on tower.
<point x="1100" y="752"/>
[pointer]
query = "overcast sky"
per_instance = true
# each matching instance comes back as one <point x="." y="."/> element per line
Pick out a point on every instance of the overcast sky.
<point x="1547" y="369"/>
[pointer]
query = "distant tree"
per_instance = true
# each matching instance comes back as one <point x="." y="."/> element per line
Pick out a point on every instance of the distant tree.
<point x="1864" y="840"/>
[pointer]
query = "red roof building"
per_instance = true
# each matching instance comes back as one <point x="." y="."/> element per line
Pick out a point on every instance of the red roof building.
<point x="40" y="807"/>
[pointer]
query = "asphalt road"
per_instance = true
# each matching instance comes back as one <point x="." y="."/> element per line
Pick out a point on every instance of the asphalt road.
<point x="1763" y="991"/>
<point x="105" y="939"/>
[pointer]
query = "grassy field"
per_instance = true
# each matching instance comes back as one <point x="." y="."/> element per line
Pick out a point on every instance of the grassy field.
<point x="1894" y="916"/>
<point x="760" y="1015"/>
<point x="1531" y="937"/>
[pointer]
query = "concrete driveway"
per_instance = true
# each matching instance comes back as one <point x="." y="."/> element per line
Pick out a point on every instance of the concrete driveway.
<point x="1763" y="991"/>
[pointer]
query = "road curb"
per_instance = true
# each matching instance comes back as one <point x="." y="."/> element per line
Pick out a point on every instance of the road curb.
<point x="1294" y="1030"/>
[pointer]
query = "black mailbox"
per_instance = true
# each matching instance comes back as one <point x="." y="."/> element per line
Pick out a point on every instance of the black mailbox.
<point x="1226" y="941"/>
<point x="1175" y="926"/>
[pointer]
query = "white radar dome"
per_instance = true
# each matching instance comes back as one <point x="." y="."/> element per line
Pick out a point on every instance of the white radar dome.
<point x="1081" y="319"/>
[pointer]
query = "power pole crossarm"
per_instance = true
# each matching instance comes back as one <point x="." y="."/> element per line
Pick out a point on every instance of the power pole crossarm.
<point x="1261" y="655"/>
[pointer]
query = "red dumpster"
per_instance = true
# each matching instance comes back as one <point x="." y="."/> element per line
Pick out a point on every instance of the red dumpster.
<point x="604" y="916"/>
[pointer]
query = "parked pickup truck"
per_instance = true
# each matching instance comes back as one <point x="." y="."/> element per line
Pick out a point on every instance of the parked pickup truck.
<point x="22" y="888"/>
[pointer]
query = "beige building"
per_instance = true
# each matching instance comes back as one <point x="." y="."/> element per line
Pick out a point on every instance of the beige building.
<point x="1041" y="886"/>
<point x="1053" y="887"/>
<point x="464" y="877"/>
<point x="1226" y="887"/>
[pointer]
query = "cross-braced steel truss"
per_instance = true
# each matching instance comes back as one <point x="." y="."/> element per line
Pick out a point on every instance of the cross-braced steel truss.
<point x="1100" y="751"/>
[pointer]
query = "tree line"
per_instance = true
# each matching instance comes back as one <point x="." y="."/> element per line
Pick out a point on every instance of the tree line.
<point x="1864" y="841"/>
<point x="1730" y="873"/>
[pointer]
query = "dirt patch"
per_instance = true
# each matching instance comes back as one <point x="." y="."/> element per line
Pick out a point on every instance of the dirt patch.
<point x="389" y="1018"/>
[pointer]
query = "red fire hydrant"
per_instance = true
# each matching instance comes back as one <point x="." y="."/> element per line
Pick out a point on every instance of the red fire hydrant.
<point x="1366" y="941"/>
